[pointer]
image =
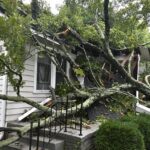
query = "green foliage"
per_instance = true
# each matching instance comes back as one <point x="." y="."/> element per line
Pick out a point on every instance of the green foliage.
<point x="143" y="123"/>
<point x="127" y="29"/>
<point x="15" y="32"/>
<point x="77" y="17"/>
<point x="10" y="6"/>
<point x="95" y="63"/>
<point x="48" y="22"/>
<point x="115" y="135"/>
<point x="63" y="89"/>
<point x="79" y="72"/>
<point x="102" y="119"/>
<point x="121" y="103"/>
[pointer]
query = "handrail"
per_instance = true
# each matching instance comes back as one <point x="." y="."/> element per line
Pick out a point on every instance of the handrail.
<point x="59" y="123"/>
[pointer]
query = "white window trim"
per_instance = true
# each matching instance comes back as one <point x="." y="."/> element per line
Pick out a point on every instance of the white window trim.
<point x="53" y="77"/>
<point x="67" y="69"/>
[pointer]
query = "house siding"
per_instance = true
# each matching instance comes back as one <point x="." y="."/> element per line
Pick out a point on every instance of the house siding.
<point x="14" y="110"/>
<point x="1" y="84"/>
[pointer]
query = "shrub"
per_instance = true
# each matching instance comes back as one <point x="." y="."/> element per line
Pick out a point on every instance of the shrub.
<point x="143" y="122"/>
<point x="115" y="135"/>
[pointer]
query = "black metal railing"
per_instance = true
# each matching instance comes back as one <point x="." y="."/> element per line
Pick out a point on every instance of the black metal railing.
<point x="64" y="115"/>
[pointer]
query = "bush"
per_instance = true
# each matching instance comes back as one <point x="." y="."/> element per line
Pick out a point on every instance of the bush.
<point x="143" y="122"/>
<point x="115" y="135"/>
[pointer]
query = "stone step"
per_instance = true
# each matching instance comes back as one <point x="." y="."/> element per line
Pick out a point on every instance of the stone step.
<point x="16" y="146"/>
<point x="23" y="144"/>
<point x="54" y="144"/>
<point x="10" y="148"/>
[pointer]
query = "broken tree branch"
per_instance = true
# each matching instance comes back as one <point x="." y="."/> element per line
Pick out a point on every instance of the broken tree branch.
<point x="103" y="93"/>
<point x="138" y="85"/>
<point x="25" y="100"/>
<point x="147" y="80"/>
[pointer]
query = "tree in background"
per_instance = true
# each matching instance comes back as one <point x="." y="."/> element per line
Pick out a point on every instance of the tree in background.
<point x="35" y="9"/>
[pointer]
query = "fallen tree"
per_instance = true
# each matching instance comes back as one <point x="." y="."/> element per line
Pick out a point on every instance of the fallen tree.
<point x="100" y="91"/>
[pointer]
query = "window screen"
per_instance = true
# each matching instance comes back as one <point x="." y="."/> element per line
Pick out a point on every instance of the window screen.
<point x="59" y="76"/>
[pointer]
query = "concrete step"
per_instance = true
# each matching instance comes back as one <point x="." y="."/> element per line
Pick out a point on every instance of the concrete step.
<point x="9" y="148"/>
<point x="54" y="144"/>
<point x="16" y="146"/>
<point x="23" y="144"/>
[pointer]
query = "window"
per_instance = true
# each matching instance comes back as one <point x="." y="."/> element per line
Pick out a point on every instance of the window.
<point x="43" y="73"/>
<point x="59" y="76"/>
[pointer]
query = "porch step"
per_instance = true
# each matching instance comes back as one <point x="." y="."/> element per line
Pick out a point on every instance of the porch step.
<point x="23" y="144"/>
<point x="54" y="144"/>
<point x="10" y="148"/>
<point x="16" y="146"/>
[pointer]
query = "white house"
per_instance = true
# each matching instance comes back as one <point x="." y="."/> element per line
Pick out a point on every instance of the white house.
<point x="38" y="74"/>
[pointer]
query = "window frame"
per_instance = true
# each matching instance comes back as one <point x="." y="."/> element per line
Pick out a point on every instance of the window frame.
<point x="58" y="72"/>
<point x="35" y="76"/>
<point x="53" y="75"/>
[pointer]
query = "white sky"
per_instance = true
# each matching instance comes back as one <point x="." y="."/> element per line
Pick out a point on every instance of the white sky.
<point x="53" y="4"/>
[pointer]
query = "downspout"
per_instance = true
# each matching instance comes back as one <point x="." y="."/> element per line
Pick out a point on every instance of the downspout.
<point x="3" y="110"/>
<point x="138" y="66"/>
<point x="53" y="75"/>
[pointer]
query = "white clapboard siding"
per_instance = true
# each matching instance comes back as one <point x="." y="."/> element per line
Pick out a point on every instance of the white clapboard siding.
<point x="1" y="84"/>
<point x="13" y="105"/>
<point x="12" y="117"/>
<point x="29" y="95"/>
<point x="0" y="113"/>
<point x="14" y="110"/>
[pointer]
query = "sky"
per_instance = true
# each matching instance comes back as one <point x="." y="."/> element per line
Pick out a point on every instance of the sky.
<point x="53" y="4"/>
